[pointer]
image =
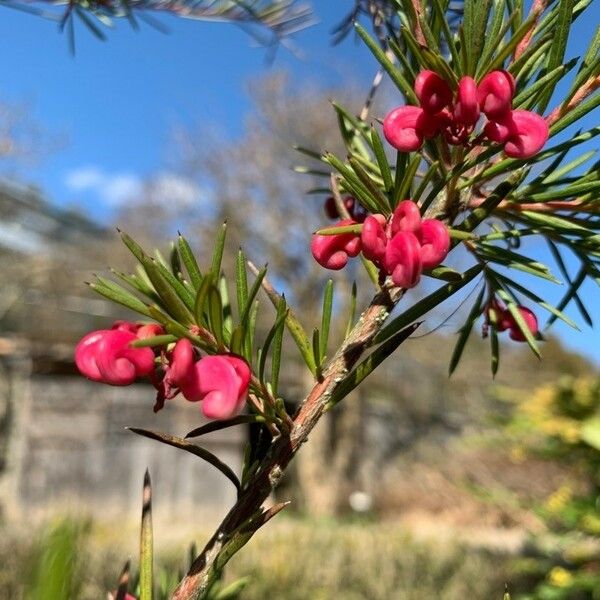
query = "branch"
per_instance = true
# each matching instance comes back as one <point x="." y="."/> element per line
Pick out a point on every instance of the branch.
<point x="242" y="521"/>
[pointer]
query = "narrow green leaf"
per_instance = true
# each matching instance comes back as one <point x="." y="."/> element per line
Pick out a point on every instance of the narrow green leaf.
<point x="336" y="230"/>
<point x="352" y="312"/>
<point x="189" y="260"/>
<point x="201" y="297"/>
<point x="425" y="180"/>
<point x="541" y="84"/>
<point x="183" y="444"/>
<point x="215" y="313"/>
<point x="282" y="314"/>
<point x="116" y="293"/>
<point x="380" y="200"/>
<point x="512" y="307"/>
<point x="556" y="314"/>
<point x="217" y="256"/>
<point x="241" y="283"/>
<point x="465" y="332"/>
<point x="423" y="306"/>
<point x="316" y="349"/>
<point x="367" y="366"/>
<point x="326" y="316"/>
<point x="277" y="326"/>
<point x="493" y="38"/>
<point x="294" y="327"/>
<point x="559" y="45"/>
<point x="151" y="342"/>
<point x="394" y="73"/>
<point x="224" y="424"/>
<point x="173" y="303"/>
<point x="403" y="191"/>
<point x="146" y="543"/>
<point x="382" y="160"/>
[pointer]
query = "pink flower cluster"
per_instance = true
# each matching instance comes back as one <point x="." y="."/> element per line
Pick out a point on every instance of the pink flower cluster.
<point x="455" y="116"/>
<point x="506" y="321"/>
<point x="401" y="247"/>
<point x="219" y="382"/>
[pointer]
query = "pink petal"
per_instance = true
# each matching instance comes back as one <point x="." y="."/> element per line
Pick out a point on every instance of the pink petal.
<point x="400" y="128"/>
<point x="406" y="217"/>
<point x="403" y="259"/>
<point x="432" y="91"/>
<point x="495" y="93"/>
<point x="373" y="238"/>
<point x="182" y="362"/>
<point x="532" y="134"/>
<point x="333" y="251"/>
<point x="435" y="243"/>
<point x="219" y="385"/>
<point x="85" y="355"/>
<point x="466" y="109"/>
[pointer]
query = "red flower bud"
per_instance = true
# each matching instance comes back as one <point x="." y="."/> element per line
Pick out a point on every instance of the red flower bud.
<point x="406" y="217"/>
<point x="466" y="108"/>
<point x="220" y="383"/>
<point x="126" y="326"/>
<point x="435" y="243"/>
<point x="529" y="133"/>
<point x="331" y="209"/>
<point x="495" y="93"/>
<point x="106" y="356"/>
<point x="332" y="251"/>
<point x="530" y="320"/>
<point x="403" y="259"/>
<point x="432" y="91"/>
<point x="373" y="238"/>
<point x="406" y="127"/>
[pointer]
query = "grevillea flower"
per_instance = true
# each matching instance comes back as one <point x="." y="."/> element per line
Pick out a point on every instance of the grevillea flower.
<point x="435" y="243"/>
<point x="373" y="238"/>
<point x="149" y="330"/>
<point x="466" y="107"/>
<point x="107" y="356"/>
<point x="220" y="383"/>
<point x="495" y="93"/>
<point x="333" y="251"/>
<point x="433" y="92"/>
<point x="406" y="127"/>
<point x="406" y="217"/>
<point x="403" y="259"/>
<point x="530" y="320"/>
<point x="528" y="134"/>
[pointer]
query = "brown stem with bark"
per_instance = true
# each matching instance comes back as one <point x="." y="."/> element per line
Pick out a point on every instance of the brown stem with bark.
<point x="538" y="7"/>
<point x="542" y="207"/>
<point x="242" y="521"/>
<point x="590" y="86"/>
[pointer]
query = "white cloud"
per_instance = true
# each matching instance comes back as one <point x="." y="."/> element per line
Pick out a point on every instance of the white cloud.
<point x="179" y="192"/>
<point x="113" y="189"/>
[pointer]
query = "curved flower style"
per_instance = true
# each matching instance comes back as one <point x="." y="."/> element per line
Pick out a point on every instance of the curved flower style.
<point x="406" y="217"/>
<point x="403" y="259"/>
<point x="435" y="243"/>
<point x="406" y="127"/>
<point x="466" y="108"/>
<point x="106" y="356"/>
<point x="333" y="251"/>
<point x="495" y="93"/>
<point x="433" y="92"/>
<point x="373" y="238"/>
<point x="528" y="134"/>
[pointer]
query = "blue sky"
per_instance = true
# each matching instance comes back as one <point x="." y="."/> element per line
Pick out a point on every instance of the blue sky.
<point x="117" y="102"/>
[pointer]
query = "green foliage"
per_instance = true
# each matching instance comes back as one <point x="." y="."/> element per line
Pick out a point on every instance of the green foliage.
<point x="561" y="422"/>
